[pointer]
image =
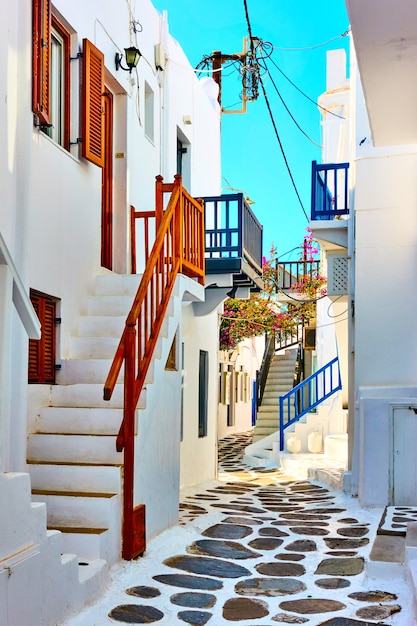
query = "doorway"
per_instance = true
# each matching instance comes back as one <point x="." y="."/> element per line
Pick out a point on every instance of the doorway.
<point x="404" y="458"/>
<point x="107" y="185"/>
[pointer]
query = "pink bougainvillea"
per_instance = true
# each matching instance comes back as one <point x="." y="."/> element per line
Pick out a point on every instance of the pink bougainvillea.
<point x="261" y="313"/>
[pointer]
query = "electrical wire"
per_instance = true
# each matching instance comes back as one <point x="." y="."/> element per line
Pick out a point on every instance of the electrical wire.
<point x="291" y="115"/>
<point x="282" y="149"/>
<point x="319" y="45"/>
<point x="271" y="114"/>
<point x="303" y="93"/>
<point x="287" y="295"/>
<point x="329" y="307"/>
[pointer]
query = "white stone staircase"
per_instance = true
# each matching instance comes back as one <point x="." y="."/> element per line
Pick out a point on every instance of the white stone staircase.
<point x="72" y="458"/>
<point x="280" y="380"/>
<point x="40" y="583"/>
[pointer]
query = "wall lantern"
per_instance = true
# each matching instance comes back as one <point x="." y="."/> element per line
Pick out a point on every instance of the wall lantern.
<point x="132" y="56"/>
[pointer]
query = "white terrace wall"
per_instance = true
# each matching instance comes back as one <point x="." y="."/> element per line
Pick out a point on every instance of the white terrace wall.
<point x="385" y="202"/>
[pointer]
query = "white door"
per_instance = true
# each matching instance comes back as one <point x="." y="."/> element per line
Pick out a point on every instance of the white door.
<point x="404" y="457"/>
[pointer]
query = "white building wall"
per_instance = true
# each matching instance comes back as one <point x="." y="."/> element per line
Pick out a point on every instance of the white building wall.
<point x="247" y="360"/>
<point x="50" y="218"/>
<point x="199" y="454"/>
<point x="383" y="331"/>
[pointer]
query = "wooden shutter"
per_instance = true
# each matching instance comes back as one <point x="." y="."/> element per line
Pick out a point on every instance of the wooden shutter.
<point x="92" y="104"/>
<point x="41" y="60"/>
<point x="42" y="352"/>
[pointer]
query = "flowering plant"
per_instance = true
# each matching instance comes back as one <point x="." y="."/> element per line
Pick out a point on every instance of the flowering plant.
<point x="260" y="314"/>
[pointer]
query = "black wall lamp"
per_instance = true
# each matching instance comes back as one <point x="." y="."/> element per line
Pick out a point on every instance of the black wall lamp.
<point x="132" y="56"/>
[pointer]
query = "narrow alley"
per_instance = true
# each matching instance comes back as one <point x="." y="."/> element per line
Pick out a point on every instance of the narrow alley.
<point x="258" y="546"/>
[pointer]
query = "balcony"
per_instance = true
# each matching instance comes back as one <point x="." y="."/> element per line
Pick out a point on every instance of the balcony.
<point x="233" y="238"/>
<point x="330" y="204"/>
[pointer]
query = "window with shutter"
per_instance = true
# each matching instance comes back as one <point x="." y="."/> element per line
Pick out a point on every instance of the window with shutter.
<point x="92" y="100"/>
<point x="42" y="352"/>
<point x="41" y="52"/>
<point x="51" y="73"/>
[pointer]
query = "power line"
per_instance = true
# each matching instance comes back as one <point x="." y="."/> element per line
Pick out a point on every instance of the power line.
<point x="282" y="148"/>
<point x="319" y="45"/>
<point x="272" y="117"/>
<point x="291" y="115"/>
<point x="303" y="93"/>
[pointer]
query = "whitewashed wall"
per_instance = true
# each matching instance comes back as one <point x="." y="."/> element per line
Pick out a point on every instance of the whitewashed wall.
<point x="385" y="361"/>
<point x="199" y="454"/>
<point x="247" y="359"/>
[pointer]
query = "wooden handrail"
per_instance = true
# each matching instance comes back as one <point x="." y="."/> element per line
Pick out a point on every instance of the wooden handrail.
<point x="146" y="216"/>
<point x="178" y="247"/>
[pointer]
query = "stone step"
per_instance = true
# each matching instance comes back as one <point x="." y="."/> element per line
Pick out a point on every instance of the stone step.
<point x="93" y="371"/>
<point x="101" y="326"/>
<point x="106" y="305"/>
<point x="80" y="510"/>
<point x="88" y="478"/>
<point x="85" y="421"/>
<point x="117" y="284"/>
<point x="89" y="395"/>
<point x="94" y="347"/>
<point x="87" y="543"/>
<point x="78" y="449"/>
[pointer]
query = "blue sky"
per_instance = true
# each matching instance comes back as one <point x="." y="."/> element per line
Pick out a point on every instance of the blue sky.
<point x="251" y="157"/>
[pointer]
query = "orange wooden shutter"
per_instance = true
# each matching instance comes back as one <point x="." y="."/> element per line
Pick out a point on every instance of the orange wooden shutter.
<point x="41" y="59"/>
<point x="92" y="99"/>
<point x="42" y="352"/>
<point x="34" y="345"/>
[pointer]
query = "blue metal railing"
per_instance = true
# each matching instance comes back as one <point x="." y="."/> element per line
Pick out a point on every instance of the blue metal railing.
<point x="329" y="190"/>
<point x="232" y="230"/>
<point x="307" y="395"/>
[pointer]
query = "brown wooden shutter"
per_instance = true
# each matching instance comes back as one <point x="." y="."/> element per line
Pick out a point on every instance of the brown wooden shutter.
<point x="92" y="99"/>
<point x="34" y="345"/>
<point x="42" y="352"/>
<point x="41" y="59"/>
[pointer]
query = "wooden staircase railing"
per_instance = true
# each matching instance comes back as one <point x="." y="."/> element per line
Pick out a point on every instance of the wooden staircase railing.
<point x="178" y="248"/>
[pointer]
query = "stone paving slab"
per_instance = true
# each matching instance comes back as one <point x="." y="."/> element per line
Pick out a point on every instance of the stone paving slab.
<point x="257" y="548"/>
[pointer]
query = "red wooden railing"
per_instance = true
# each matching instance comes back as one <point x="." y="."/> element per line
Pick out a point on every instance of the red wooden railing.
<point x="178" y="248"/>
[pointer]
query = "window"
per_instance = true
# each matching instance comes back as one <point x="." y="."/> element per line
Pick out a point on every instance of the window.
<point x="203" y="394"/>
<point x="42" y="352"/>
<point x="58" y="129"/>
<point x="51" y="84"/>
<point x="149" y="113"/>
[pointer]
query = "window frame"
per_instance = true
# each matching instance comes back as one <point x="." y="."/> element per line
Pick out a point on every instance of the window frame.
<point x="64" y="37"/>
<point x="203" y="381"/>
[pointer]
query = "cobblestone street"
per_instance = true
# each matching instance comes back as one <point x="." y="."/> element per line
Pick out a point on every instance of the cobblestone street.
<point x="257" y="547"/>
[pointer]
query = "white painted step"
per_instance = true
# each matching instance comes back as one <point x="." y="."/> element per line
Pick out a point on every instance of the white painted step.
<point x="73" y="449"/>
<point x="88" y="478"/>
<point x="101" y="326"/>
<point x="117" y="284"/>
<point x="94" y="347"/>
<point x="91" y="545"/>
<point x="80" y="510"/>
<point x="89" y="395"/>
<point x="73" y="420"/>
<point x="109" y="305"/>
<point x="92" y="371"/>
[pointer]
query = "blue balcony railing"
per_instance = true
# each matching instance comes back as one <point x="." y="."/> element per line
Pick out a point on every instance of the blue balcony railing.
<point x="304" y="397"/>
<point x="232" y="230"/>
<point x="329" y="191"/>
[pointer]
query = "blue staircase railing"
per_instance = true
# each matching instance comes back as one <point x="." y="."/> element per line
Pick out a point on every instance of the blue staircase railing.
<point x="307" y="395"/>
